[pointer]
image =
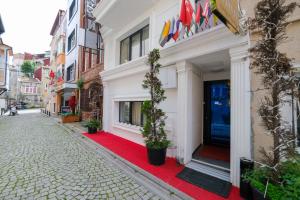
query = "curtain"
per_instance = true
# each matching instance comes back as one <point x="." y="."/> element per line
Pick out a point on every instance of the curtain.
<point x="136" y="113"/>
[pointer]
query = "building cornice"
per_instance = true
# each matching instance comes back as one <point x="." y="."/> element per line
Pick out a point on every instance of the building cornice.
<point x="213" y="40"/>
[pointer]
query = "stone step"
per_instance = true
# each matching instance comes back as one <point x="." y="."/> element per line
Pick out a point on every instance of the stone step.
<point x="210" y="169"/>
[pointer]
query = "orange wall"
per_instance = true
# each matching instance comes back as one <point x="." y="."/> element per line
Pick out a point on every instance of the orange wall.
<point x="61" y="59"/>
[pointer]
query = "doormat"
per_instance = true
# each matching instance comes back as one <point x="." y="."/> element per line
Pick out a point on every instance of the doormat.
<point x="206" y="182"/>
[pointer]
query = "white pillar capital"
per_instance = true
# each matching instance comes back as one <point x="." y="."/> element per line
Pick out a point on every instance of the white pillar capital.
<point x="239" y="53"/>
<point x="183" y="67"/>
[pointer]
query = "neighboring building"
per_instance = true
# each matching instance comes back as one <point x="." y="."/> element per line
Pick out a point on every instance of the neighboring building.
<point x="5" y="61"/>
<point x="19" y="81"/>
<point x="211" y="113"/>
<point x="15" y="72"/>
<point x="57" y="61"/>
<point x="91" y="64"/>
<point x="30" y="91"/>
<point x="83" y="56"/>
<point x="42" y="74"/>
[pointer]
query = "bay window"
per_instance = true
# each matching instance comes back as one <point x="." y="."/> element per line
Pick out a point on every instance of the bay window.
<point x="134" y="46"/>
<point x="130" y="112"/>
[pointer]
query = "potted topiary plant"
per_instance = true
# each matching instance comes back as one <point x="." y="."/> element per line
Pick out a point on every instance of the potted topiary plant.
<point x="93" y="125"/>
<point x="153" y="130"/>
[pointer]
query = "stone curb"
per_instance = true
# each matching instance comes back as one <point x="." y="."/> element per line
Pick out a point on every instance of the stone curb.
<point x="162" y="189"/>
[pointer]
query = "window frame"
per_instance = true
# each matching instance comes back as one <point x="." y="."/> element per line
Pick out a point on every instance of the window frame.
<point x="70" y="17"/>
<point x="71" y="78"/>
<point x="72" y="47"/>
<point x="140" y="33"/>
<point x="130" y="113"/>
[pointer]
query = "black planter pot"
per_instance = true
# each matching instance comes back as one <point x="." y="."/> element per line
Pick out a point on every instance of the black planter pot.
<point x="257" y="195"/>
<point x="156" y="156"/>
<point x="92" y="130"/>
<point x="245" y="187"/>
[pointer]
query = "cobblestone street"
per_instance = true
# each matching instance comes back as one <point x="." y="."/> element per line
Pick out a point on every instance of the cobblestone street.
<point x="40" y="160"/>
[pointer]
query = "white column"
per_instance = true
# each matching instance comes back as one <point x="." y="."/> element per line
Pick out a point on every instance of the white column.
<point x="106" y="107"/>
<point x="240" y="139"/>
<point x="184" y="106"/>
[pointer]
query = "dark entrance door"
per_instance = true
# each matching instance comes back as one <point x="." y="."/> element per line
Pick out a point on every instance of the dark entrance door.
<point x="217" y="113"/>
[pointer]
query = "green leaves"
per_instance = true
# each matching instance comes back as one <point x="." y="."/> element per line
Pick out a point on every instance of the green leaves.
<point x="28" y="68"/>
<point x="153" y="130"/>
<point x="93" y="123"/>
<point x="80" y="83"/>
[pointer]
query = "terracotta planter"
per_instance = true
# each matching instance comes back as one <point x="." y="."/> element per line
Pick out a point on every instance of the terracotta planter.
<point x="156" y="156"/>
<point x="92" y="130"/>
<point x="70" y="118"/>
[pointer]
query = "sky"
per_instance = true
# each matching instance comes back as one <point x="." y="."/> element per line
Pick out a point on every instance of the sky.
<point x="28" y="23"/>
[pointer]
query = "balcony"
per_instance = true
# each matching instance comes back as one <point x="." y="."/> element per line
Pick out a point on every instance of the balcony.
<point x="116" y="13"/>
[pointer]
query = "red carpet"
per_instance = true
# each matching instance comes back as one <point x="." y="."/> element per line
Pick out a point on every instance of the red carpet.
<point x="216" y="153"/>
<point x="136" y="154"/>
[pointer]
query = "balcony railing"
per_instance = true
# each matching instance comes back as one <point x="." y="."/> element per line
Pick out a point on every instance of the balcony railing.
<point x="90" y="58"/>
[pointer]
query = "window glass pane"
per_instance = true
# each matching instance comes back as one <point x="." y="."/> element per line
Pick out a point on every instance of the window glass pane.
<point x="135" y="48"/>
<point x="137" y="113"/>
<point x="72" y="10"/>
<point x="72" y="73"/>
<point x="71" y="40"/>
<point x="124" y="112"/>
<point x="124" y="51"/>
<point x="145" y="41"/>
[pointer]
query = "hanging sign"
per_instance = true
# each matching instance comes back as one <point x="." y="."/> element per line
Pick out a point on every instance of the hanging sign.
<point x="228" y="12"/>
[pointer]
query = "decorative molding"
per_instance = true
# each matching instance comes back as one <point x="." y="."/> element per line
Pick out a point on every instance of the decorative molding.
<point x="127" y="127"/>
<point x="130" y="68"/>
<point x="215" y="39"/>
<point x="103" y="8"/>
<point x="135" y="97"/>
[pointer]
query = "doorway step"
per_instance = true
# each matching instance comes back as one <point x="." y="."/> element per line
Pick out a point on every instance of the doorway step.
<point x="219" y="172"/>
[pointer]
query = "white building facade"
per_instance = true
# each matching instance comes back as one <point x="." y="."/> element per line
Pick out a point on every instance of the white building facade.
<point x="130" y="29"/>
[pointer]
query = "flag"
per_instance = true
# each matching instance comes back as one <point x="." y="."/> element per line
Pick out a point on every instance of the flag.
<point x="176" y="33"/>
<point x="182" y="32"/>
<point x="198" y="12"/>
<point x="162" y="32"/>
<point x="171" y="31"/>
<point x="165" y="33"/>
<point x="209" y="13"/>
<point x="205" y="11"/>
<point x="186" y="13"/>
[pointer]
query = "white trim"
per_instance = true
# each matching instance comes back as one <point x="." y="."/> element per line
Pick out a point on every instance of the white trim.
<point x="127" y="127"/>
<point x="136" y="97"/>
<point x="127" y="69"/>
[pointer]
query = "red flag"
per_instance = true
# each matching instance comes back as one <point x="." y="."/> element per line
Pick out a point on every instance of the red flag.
<point x="186" y="13"/>
<point x="199" y="12"/>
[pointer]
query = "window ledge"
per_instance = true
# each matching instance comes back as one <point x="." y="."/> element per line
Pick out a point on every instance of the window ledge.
<point x="127" y="127"/>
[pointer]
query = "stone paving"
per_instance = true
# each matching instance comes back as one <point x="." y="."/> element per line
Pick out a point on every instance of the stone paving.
<point x="40" y="160"/>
